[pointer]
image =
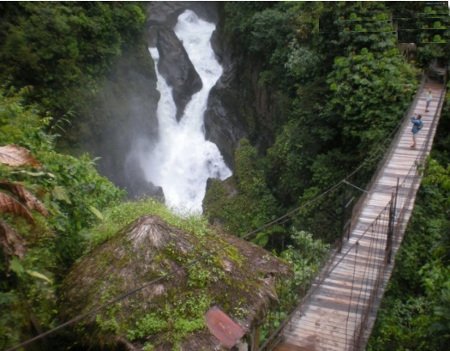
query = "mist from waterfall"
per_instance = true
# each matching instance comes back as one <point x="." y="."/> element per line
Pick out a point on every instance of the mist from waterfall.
<point x="183" y="160"/>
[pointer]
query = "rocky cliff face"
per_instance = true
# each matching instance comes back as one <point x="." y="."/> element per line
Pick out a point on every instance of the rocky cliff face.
<point x="239" y="106"/>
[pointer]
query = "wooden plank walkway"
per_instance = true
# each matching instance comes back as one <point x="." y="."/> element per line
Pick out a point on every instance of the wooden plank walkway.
<point x="330" y="319"/>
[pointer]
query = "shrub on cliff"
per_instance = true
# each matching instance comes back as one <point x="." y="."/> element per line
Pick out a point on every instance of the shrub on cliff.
<point x="73" y="194"/>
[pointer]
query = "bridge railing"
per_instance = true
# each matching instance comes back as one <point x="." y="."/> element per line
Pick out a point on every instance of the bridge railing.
<point x="377" y="233"/>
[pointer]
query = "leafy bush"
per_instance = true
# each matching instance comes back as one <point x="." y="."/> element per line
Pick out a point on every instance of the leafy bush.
<point x="251" y="205"/>
<point x="73" y="193"/>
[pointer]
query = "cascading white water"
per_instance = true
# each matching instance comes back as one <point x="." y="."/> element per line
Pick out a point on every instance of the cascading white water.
<point x="183" y="160"/>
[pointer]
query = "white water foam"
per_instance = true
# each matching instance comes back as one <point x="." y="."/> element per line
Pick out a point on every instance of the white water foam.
<point x="183" y="160"/>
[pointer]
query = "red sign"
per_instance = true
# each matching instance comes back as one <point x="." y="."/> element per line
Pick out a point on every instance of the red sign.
<point x="223" y="327"/>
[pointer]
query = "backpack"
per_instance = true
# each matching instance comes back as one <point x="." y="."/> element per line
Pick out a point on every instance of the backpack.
<point x="420" y="125"/>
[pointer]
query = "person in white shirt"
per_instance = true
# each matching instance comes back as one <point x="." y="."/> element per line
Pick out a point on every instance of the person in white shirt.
<point x="429" y="99"/>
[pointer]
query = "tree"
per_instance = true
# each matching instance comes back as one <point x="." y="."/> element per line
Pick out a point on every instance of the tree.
<point x="61" y="49"/>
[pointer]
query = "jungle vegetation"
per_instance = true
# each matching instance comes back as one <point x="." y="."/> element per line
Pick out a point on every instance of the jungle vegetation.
<point x="337" y="86"/>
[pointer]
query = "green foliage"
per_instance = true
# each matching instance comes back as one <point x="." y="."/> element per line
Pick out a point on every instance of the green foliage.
<point x="68" y="187"/>
<point x="119" y="216"/>
<point x="265" y="29"/>
<point x="251" y="205"/>
<point x="302" y="63"/>
<point x="306" y="254"/>
<point x="433" y="34"/>
<point x="239" y="21"/>
<point x="14" y="116"/>
<point x="150" y="324"/>
<point x="357" y="117"/>
<point x="60" y="49"/>
<point x="173" y="322"/>
<point x="441" y="145"/>
<point x="331" y="129"/>
<point x="364" y="25"/>
<point x="370" y="94"/>
<point x="75" y="189"/>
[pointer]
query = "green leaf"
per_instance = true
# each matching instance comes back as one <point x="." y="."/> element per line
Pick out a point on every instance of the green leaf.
<point x="60" y="193"/>
<point x="96" y="212"/>
<point x="39" y="276"/>
<point x="34" y="174"/>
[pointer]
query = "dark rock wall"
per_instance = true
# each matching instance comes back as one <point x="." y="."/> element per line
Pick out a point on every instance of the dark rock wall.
<point x="239" y="106"/>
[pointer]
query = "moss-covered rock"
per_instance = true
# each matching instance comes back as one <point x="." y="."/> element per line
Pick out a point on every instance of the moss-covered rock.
<point x="175" y="277"/>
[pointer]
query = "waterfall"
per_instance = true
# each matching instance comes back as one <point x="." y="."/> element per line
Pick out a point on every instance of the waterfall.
<point x="183" y="160"/>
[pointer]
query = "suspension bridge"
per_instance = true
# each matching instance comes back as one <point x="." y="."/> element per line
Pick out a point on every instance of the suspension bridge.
<point x="339" y="310"/>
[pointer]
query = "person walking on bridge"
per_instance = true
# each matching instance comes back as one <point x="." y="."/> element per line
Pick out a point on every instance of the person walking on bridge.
<point x="429" y="99"/>
<point x="416" y="120"/>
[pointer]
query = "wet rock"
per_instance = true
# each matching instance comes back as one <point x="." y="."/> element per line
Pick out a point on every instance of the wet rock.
<point x="176" y="67"/>
<point x="222" y="123"/>
<point x="223" y="118"/>
<point x="174" y="63"/>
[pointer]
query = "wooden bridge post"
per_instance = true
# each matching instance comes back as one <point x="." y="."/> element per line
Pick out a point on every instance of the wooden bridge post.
<point x="395" y="208"/>
<point x="391" y="224"/>
<point x="390" y="232"/>
<point x="255" y="339"/>
<point x="345" y="221"/>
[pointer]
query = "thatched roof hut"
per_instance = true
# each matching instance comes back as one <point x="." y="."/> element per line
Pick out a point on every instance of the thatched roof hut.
<point x="230" y="273"/>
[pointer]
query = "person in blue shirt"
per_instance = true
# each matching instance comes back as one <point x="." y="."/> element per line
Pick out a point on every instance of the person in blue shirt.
<point x="416" y="120"/>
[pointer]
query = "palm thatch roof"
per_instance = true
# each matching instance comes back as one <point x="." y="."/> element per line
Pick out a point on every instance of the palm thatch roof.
<point x="235" y="275"/>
